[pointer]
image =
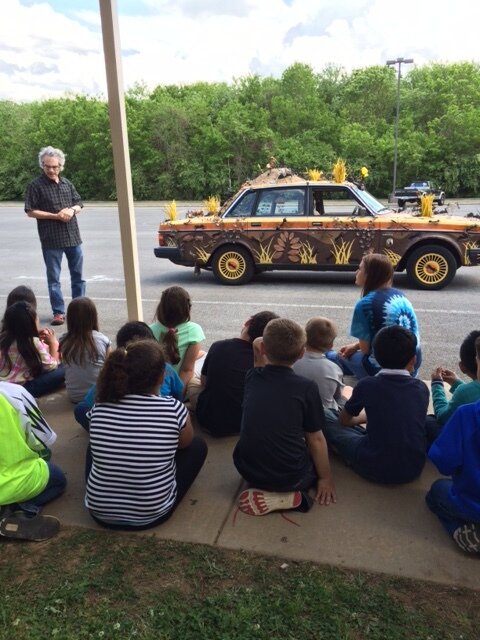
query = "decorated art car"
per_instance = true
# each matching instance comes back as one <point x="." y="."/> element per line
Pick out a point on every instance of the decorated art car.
<point x="284" y="221"/>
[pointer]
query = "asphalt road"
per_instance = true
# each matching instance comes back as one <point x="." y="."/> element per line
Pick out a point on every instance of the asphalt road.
<point x="445" y="316"/>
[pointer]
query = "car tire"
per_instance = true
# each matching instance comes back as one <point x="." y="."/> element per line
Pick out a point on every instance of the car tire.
<point x="441" y="200"/>
<point x="431" y="267"/>
<point x="233" y="265"/>
<point x="401" y="204"/>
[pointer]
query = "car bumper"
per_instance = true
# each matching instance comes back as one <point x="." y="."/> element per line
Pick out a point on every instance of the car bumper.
<point x="173" y="254"/>
<point x="474" y="256"/>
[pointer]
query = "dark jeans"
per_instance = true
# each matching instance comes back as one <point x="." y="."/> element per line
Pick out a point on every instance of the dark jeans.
<point x="439" y="501"/>
<point x="55" y="487"/>
<point x="80" y="412"/>
<point x="47" y="382"/>
<point x="53" y="263"/>
<point x="432" y="428"/>
<point x="188" y="462"/>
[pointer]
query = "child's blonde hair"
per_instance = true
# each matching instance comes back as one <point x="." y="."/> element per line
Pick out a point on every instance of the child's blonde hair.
<point x="321" y="333"/>
<point x="284" y="341"/>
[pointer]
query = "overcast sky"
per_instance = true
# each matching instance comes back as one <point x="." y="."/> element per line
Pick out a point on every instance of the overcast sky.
<point x="53" y="47"/>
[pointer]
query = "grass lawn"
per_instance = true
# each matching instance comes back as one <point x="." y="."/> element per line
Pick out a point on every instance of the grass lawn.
<point x="87" y="584"/>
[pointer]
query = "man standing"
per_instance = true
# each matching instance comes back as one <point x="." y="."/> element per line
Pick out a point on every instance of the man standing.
<point x="54" y="202"/>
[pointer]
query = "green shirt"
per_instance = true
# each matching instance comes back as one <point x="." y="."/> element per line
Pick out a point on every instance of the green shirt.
<point x="23" y="474"/>
<point x="187" y="333"/>
<point x="462" y="393"/>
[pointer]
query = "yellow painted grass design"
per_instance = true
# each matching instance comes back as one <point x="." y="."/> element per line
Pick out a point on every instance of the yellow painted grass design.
<point x="468" y="245"/>
<point x="170" y="242"/>
<point x="264" y="255"/>
<point x="307" y="254"/>
<point x="426" y="205"/>
<point x="392" y="256"/>
<point x="203" y="256"/>
<point x="171" y="210"/>
<point x="342" y="251"/>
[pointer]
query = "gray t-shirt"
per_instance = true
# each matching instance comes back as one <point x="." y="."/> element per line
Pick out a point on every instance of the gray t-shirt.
<point x="79" y="378"/>
<point x="326" y="374"/>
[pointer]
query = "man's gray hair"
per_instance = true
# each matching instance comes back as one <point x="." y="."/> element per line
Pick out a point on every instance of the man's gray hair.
<point x="51" y="152"/>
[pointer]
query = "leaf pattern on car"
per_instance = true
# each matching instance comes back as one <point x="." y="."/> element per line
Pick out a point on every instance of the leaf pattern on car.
<point x="287" y="243"/>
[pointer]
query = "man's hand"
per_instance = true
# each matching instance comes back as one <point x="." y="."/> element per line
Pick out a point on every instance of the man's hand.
<point x="325" y="491"/>
<point x="65" y="214"/>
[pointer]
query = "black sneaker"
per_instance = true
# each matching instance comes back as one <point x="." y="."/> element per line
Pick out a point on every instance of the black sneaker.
<point x="468" y="537"/>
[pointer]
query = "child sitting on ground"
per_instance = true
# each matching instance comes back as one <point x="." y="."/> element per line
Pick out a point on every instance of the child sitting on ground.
<point x="281" y="451"/>
<point x="143" y="456"/>
<point x="28" y="480"/>
<point x="463" y="392"/>
<point x="130" y="332"/>
<point x="456" y="452"/>
<point x="392" y="448"/>
<point x="314" y="365"/>
<point x="28" y="354"/>
<point x="83" y="348"/>
<point x="21" y="294"/>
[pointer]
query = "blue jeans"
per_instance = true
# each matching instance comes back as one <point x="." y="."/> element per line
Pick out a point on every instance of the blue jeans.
<point x="344" y="440"/>
<point x="45" y="383"/>
<point x="362" y="366"/>
<point x="440" y="502"/>
<point x="53" y="263"/>
<point x="55" y="487"/>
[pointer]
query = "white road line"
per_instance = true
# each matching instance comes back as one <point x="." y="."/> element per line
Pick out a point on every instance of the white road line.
<point x="256" y="303"/>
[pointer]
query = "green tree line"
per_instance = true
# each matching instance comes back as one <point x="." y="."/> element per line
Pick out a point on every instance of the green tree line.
<point x="189" y="142"/>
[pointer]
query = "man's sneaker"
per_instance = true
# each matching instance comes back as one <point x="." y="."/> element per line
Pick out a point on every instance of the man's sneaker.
<point x="468" y="537"/>
<point x="258" y="503"/>
<point x="58" y="319"/>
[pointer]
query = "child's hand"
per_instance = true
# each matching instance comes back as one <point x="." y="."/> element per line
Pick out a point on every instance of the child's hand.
<point x="325" y="491"/>
<point x="437" y="374"/>
<point x="47" y="335"/>
<point x="349" y="349"/>
<point x="449" y="376"/>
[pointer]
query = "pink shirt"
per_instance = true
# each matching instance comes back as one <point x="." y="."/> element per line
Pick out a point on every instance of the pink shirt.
<point x="19" y="372"/>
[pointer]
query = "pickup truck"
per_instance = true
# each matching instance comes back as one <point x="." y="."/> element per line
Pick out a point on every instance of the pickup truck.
<point x="416" y="190"/>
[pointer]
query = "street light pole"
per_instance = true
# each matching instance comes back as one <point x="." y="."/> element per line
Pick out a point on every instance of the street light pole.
<point x="391" y="63"/>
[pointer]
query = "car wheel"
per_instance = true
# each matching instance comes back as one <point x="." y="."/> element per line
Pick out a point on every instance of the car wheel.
<point x="233" y="265"/>
<point x="401" y="204"/>
<point x="441" y="200"/>
<point x="431" y="267"/>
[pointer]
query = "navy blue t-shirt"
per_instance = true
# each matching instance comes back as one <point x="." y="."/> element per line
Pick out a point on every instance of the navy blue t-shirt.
<point x="393" y="449"/>
<point x="278" y="408"/>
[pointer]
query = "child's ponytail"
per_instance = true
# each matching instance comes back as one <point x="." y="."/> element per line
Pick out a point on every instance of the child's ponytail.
<point x="173" y="309"/>
<point x="112" y="383"/>
<point x="170" y="345"/>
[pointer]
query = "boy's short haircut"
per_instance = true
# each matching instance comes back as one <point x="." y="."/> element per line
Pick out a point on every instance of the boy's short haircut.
<point x="258" y="322"/>
<point x="284" y="341"/>
<point x="321" y="332"/>
<point x="468" y="353"/>
<point x="477" y="347"/>
<point x="394" y="347"/>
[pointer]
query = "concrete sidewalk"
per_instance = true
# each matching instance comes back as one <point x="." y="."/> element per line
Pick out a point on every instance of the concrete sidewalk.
<point x="373" y="528"/>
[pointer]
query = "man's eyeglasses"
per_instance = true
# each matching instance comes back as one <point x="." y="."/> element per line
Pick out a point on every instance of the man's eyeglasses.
<point x="54" y="167"/>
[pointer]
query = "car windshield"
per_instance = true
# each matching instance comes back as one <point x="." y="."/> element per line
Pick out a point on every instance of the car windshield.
<point x="371" y="203"/>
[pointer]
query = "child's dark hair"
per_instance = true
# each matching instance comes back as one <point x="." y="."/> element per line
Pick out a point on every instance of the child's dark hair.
<point x="321" y="332"/>
<point x="468" y="353"/>
<point x="378" y="272"/>
<point x="20" y="326"/>
<point x="394" y="347"/>
<point x="77" y="346"/>
<point x="133" y="369"/>
<point x="283" y="341"/>
<point x="477" y="348"/>
<point x="133" y="331"/>
<point x="173" y="309"/>
<point x="258" y="322"/>
<point x="22" y="293"/>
